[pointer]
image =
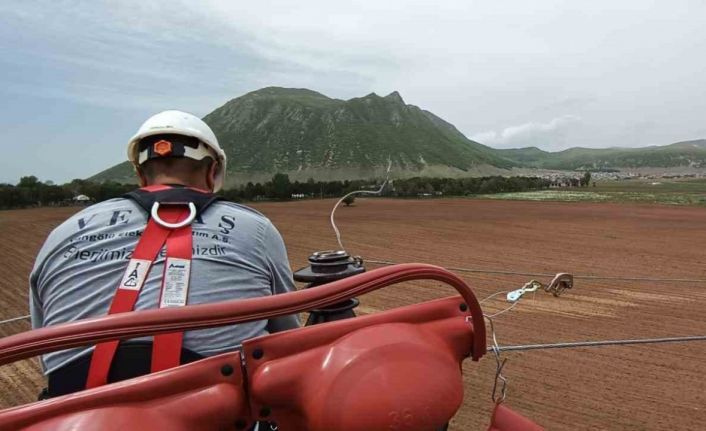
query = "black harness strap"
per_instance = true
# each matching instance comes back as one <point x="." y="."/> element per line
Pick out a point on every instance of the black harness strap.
<point x="175" y="194"/>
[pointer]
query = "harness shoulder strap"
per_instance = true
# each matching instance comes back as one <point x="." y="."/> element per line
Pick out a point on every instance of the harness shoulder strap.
<point x="166" y="350"/>
<point x="134" y="277"/>
<point x="175" y="278"/>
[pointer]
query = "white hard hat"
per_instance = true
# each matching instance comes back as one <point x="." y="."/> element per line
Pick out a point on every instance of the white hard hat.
<point x="180" y="123"/>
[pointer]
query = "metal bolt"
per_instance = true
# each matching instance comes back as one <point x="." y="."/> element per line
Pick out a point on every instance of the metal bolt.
<point x="463" y="306"/>
<point x="258" y="353"/>
<point x="227" y="370"/>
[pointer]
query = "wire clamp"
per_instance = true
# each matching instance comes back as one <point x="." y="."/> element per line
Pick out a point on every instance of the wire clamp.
<point x="530" y="286"/>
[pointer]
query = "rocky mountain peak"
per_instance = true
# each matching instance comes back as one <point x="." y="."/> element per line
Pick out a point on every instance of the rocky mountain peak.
<point x="395" y="97"/>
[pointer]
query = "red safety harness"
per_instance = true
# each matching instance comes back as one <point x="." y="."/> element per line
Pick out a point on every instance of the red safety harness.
<point x="170" y="225"/>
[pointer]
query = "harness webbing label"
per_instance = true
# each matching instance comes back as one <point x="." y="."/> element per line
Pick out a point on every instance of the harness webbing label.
<point x="134" y="277"/>
<point x="176" y="282"/>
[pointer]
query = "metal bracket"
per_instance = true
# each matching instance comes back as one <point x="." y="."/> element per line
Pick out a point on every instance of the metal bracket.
<point x="560" y="283"/>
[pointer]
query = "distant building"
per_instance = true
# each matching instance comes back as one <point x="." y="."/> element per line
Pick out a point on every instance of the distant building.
<point x="82" y="200"/>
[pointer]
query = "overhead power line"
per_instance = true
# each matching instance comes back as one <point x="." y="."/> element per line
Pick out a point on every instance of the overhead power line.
<point x="540" y="274"/>
<point x="599" y="343"/>
<point x="14" y="319"/>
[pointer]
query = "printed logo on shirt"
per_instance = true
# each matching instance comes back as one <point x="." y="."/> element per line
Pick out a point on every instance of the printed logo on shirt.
<point x="105" y="254"/>
<point x="226" y="224"/>
<point x="135" y="274"/>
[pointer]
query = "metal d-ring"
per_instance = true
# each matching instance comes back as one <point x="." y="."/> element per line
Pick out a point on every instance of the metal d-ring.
<point x="185" y="222"/>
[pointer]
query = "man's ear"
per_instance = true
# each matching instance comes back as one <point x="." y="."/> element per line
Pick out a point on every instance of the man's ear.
<point x="211" y="175"/>
<point x="141" y="176"/>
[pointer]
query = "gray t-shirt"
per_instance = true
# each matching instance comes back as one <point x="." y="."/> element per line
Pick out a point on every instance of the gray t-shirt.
<point x="237" y="253"/>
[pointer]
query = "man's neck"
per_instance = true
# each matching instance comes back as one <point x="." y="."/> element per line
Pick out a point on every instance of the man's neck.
<point x="175" y="181"/>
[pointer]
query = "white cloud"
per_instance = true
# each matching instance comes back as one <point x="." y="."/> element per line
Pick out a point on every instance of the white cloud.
<point x="548" y="135"/>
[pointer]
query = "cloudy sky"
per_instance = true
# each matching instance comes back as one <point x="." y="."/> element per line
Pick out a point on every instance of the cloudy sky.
<point x="78" y="77"/>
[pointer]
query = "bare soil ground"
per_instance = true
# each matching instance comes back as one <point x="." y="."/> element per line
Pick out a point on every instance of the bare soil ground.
<point x="614" y="388"/>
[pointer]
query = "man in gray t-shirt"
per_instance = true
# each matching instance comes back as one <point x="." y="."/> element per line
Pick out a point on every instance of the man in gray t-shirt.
<point x="236" y="251"/>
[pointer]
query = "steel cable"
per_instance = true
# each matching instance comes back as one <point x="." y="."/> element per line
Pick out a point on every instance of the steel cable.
<point x="539" y="274"/>
<point x="14" y="319"/>
<point x="598" y="343"/>
<point x="357" y="192"/>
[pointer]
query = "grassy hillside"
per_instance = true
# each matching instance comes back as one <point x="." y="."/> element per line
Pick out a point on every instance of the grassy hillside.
<point x="688" y="153"/>
<point x="277" y="129"/>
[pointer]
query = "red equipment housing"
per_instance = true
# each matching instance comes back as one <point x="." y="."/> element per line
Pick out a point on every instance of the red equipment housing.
<point x="395" y="370"/>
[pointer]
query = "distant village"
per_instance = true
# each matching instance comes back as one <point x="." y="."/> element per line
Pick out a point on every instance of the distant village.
<point x="573" y="178"/>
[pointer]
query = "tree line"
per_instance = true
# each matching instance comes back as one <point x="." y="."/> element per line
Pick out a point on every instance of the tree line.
<point x="31" y="192"/>
<point x="281" y="188"/>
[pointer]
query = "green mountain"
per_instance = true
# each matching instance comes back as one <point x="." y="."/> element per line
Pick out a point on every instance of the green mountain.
<point x="306" y="134"/>
<point x="687" y="153"/>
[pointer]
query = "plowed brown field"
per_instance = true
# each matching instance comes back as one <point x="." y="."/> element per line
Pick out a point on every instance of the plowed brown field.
<point x="648" y="387"/>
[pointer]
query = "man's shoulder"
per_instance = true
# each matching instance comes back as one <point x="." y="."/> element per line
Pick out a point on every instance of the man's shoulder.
<point x="236" y="209"/>
<point x="98" y="218"/>
<point x="105" y="207"/>
<point x="91" y="216"/>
